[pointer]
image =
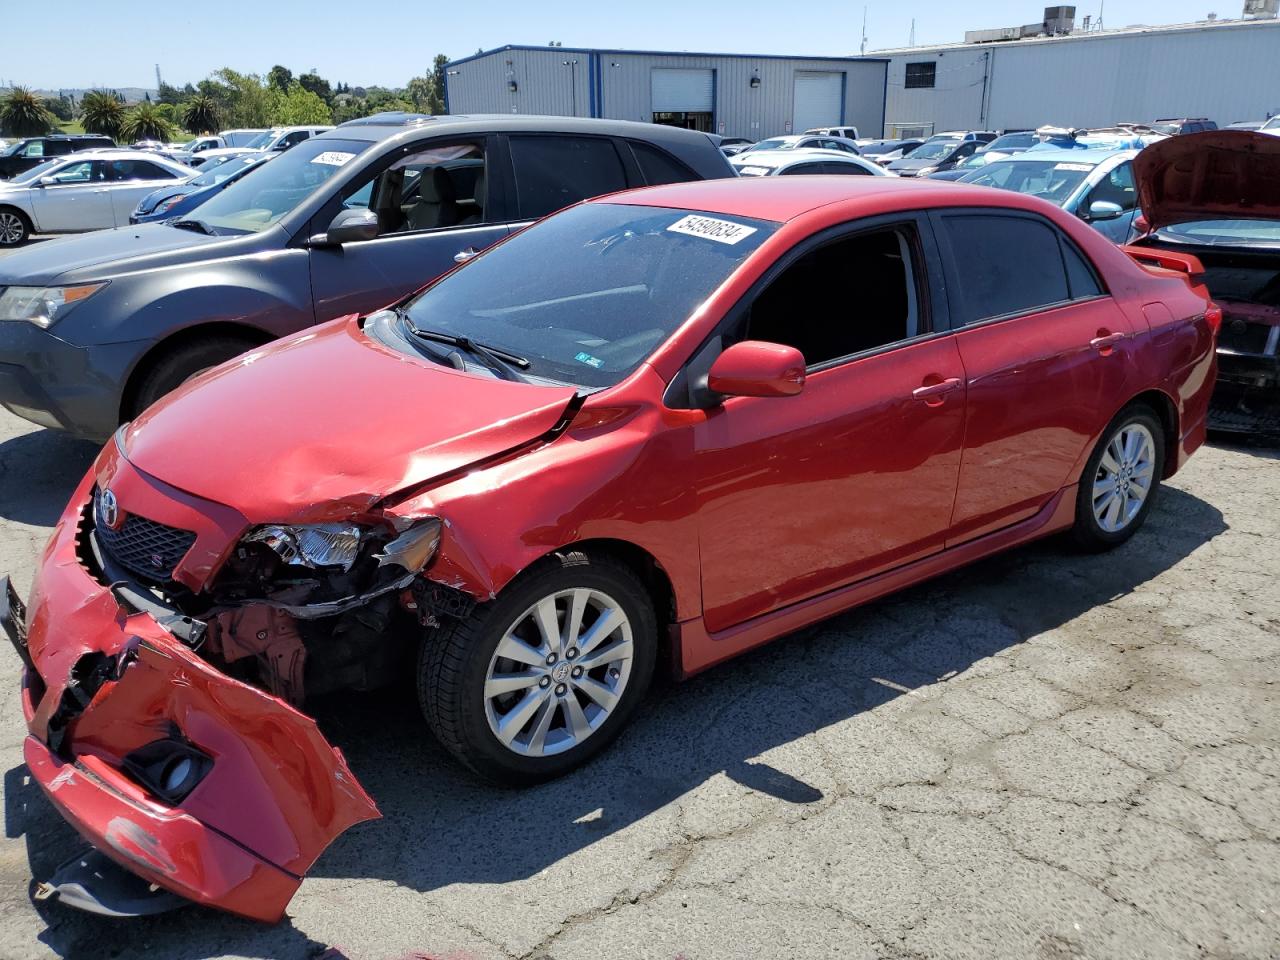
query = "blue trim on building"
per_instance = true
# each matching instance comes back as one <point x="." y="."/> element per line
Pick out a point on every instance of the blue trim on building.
<point x="844" y="95"/>
<point x="660" y="53"/>
<point x="715" y="99"/>
<point x="591" y="85"/>
<point x="446" y="91"/>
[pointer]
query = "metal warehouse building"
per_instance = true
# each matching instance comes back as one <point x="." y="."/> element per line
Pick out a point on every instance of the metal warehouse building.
<point x="737" y="95"/>
<point x="1225" y="71"/>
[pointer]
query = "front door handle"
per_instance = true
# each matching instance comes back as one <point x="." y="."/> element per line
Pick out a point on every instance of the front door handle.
<point x="933" y="393"/>
<point x="462" y="256"/>
<point x="1104" y="342"/>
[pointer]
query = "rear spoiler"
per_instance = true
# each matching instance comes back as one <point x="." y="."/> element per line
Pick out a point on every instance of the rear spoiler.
<point x="1169" y="260"/>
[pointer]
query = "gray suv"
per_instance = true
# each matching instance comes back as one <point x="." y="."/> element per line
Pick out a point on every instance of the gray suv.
<point x="95" y="328"/>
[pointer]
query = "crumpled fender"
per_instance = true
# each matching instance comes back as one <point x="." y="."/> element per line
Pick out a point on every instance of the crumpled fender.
<point x="275" y="796"/>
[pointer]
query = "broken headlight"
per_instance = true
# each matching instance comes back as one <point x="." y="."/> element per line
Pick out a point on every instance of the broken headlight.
<point x="312" y="545"/>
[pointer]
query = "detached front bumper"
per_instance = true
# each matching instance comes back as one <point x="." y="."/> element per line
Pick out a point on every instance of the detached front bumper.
<point x="106" y="688"/>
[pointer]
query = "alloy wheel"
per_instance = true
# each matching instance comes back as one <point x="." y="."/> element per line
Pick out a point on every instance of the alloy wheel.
<point x="1124" y="478"/>
<point x="558" y="672"/>
<point x="12" y="229"/>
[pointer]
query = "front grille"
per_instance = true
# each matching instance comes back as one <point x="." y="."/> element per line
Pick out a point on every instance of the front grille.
<point x="147" y="549"/>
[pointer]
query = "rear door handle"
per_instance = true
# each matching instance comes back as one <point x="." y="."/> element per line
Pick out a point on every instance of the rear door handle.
<point x="933" y="393"/>
<point x="1104" y="344"/>
<point x="462" y="256"/>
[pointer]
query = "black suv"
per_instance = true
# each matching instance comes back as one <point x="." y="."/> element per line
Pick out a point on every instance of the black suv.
<point x="27" y="153"/>
<point x="346" y="222"/>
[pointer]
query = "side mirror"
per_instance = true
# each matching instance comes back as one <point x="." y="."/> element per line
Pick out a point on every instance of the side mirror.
<point x="754" y="368"/>
<point x="1104" y="210"/>
<point x="350" y="226"/>
<point x="48" y="181"/>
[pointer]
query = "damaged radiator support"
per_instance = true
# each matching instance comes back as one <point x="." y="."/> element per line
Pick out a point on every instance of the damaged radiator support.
<point x="271" y="636"/>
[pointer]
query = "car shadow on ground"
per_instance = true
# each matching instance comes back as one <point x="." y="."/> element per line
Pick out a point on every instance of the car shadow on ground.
<point x="38" y="473"/>
<point x="441" y="826"/>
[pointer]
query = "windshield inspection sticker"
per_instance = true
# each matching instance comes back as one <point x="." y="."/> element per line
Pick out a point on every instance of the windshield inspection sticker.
<point x="709" y="228"/>
<point x="1079" y="167"/>
<point x="332" y="158"/>
<point x="589" y="360"/>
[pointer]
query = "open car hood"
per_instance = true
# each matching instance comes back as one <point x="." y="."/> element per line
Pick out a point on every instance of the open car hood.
<point x="1217" y="175"/>
<point x="328" y="422"/>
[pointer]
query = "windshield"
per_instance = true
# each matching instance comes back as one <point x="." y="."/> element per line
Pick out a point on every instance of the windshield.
<point x="1224" y="231"/>
<point x="971" y="161"/>
<point x="261" y="140"/>
<point x="41" y="169"/>
<point x="933" y="150"/>
<point x="774" y="143"/>
<point x="1272" y="124"/>
<point x="875" y="149"/>
<point x="1055" y="181"/>
<point x="12" y="149"/>
<point x="587" y="294"/>
<point x="220" y="171"/>
<point x="252" y="204"/>
<point x="1012" y="141"/>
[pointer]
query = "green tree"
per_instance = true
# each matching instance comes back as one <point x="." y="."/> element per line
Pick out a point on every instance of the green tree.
<point x="314" y="83"/>
<point x="298" y="106"/>
<point x="438" y="72"/>
<point x="60" y="107"/>
<point x="169" y="94"/>
<point x="23" y="114"/>
<point x="101" y="112"/>
<point x="201" y="114"/>
<point x="145" y="122"/>
<point x="279" y="78"/>
<point x="248" y="100"/>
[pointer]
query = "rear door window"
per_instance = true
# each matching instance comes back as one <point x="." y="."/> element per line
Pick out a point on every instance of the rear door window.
<point x="138" y="170"/>
<point x="658" y="166"/>
<point x="1004" y="265"/>
<point x="553" y="172"/>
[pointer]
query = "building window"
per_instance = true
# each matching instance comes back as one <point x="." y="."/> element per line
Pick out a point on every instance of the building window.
<point x="921" y="74"/>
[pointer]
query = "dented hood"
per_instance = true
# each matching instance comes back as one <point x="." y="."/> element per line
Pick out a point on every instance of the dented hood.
<point x="329" y="421"/>
<point x="1218" y="175"/>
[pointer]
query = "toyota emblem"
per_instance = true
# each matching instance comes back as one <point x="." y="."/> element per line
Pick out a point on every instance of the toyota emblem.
<point x="109" y="510"/>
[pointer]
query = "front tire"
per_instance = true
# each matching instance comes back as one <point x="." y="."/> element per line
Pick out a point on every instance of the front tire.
<point x="180" y="365"/>
<point x="537" y="682"/>
<point x="15" y="228"/>
<point x="1121" y="479"/>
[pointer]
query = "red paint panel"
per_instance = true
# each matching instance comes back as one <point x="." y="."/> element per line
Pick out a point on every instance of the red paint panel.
<point x="854" y="475"/>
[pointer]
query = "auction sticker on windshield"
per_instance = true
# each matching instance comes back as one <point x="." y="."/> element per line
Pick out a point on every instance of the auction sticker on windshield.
<point x="1078" y="167"/>
<point x="709" y="228"/>
<point x="332" y="158"/>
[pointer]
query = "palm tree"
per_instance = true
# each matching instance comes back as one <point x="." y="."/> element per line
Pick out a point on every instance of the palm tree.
<point x="101" y="112"/>
<point x="23" y="114"/>
<point x="145" y="122"/>
<point x="201" y="115"/>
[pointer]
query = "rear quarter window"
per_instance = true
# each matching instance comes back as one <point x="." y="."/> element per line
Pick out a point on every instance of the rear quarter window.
<point x="658" y="166"/>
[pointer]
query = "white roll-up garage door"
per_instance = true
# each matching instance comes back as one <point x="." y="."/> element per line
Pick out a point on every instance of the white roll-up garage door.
<point x="817" y="100"/>
<point x="683" y="91"/>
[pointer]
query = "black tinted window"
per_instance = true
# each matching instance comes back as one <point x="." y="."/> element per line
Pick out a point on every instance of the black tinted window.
<point x="137" y="170"/>
<point x="1005" y="265"/>
<point x="554" y="172"/>
<point x="1080" y="276"/>
<point x="658" y="166"/>
<point x="802" y="168"/>
<point x="835" y="166"/>
<point x="801" y="307"/>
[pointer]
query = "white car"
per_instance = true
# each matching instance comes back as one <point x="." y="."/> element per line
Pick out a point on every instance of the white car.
<point x="193" y="149"/>
<point x="277" y="138"/>
<point x="780" y="163"/>
<point x="88" y="190"/>
<point x="849" y="133"/>
<point x="804" y="141"/>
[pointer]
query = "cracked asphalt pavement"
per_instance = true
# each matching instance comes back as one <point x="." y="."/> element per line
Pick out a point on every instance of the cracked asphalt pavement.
<point x="1045" y="755"/>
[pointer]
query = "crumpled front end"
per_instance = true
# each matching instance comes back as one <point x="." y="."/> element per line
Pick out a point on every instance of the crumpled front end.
<point x="196" y="781"/>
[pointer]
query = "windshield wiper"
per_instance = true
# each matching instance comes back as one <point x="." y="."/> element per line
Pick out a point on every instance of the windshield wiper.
<point x="198" y="225"/>
<point x="497" y="360"/>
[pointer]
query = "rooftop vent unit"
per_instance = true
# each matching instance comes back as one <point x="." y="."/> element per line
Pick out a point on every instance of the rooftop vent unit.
<point x="1261" y="9"/>
<point x="1057" y="22"/>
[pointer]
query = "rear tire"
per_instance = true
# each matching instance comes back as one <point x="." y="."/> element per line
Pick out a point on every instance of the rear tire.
<point x="15" y="228"/>
<point x="1121" y="479"/>
<point x="177" y="367"/>
<point x="549" y="708"/>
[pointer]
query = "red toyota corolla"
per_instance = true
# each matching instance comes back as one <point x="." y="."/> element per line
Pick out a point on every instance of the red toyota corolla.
<point x="659" y="428"/>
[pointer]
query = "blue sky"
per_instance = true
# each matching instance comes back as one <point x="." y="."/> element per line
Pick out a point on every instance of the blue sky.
<point x="88" y="44"/>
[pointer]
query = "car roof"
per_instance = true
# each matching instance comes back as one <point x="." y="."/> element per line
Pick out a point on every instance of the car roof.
<point x="1090" y="155"/>
<point x="120" y="153"/>
<point x="781" y="199"/>
<point x="389" y="126"/>
<point x="784" y="158"/>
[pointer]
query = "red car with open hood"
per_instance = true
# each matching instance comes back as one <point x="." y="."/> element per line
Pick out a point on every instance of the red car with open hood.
<point x="656" y="429"/>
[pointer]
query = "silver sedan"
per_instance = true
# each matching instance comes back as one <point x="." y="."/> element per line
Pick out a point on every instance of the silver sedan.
<point x="87" y="190"/>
